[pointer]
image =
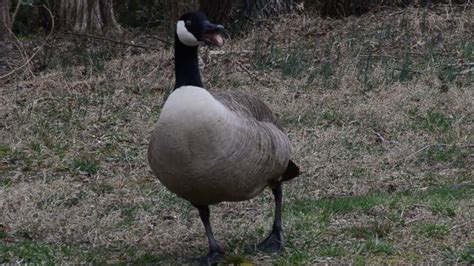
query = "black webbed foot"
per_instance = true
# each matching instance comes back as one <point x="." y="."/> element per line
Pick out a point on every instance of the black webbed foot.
<point x="215" y="251"/>
<point x="212" y="258"/>
<point x="273" y="243"/>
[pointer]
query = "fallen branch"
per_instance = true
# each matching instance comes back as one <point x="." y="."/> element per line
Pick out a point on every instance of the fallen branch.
<point x="241" y="66"/>
<point x="437" y="144"/>
<point x="161" y="40"/>
<point x="113" y="41"/>
<point x="467" y="71"/>
<point x="412" y="221"/>
<point x="15" y="13"/>
<point x="461" y="65"/>
<point x="28" y="60"/>
<point x="457" y="226"/>
<point x="418" y="151"/>
<point x="21" y="50"/>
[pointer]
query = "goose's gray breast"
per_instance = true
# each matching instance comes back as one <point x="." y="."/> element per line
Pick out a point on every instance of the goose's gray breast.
<point x="228" y="154"/>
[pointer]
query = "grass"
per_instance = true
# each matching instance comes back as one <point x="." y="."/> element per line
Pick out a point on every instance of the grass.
<point x="374" y="230"/>
<point x="295" y="63"/>
<point x="377" y="107"/>
<point x="29" y="253"/>
<point x="87" y="166"/>
<point x="431" y="230"/>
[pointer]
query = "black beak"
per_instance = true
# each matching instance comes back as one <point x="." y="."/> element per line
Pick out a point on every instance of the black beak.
<point x="211" y="34"/>
<point x="209" y="27"/>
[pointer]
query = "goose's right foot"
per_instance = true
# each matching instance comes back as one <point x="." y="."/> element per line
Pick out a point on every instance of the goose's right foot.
<point x="273" y="243"/>
<point x="215" y="251"/>
<point x="214" y="257"/>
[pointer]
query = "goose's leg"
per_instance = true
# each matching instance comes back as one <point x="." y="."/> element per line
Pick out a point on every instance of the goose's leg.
<point x="274" y="242"/>
<point x="215" y="251"/>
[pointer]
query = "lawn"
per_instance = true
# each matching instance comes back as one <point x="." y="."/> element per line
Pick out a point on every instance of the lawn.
<point x="379" y="109"/>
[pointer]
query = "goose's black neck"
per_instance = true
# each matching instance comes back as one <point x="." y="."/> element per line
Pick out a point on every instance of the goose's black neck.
<point x="186" y="65"/>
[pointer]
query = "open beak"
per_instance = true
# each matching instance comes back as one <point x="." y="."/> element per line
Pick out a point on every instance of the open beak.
<point x="212" y="34"/>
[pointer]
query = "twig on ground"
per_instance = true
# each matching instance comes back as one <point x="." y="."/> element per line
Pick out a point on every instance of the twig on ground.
<point x="161" y="40"/>
<point x="113" y="41"/>
<point x="464" y="72"/>
<point x="420" y="205"/>
<point x="412" y="221"/>
<point x="418" y="151"/>
<point x="241" y="66"/>
<point x="457" y="226"/>
<point x="414" y="71"/>
<point x="422" y="149"/>
<point x="461" y="65"/>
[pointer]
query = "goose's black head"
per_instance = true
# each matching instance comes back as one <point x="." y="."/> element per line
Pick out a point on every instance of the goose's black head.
<point x="194" y="28"/>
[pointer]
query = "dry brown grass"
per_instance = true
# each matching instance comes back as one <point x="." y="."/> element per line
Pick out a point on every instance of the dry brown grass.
<point x="380" y="118"/>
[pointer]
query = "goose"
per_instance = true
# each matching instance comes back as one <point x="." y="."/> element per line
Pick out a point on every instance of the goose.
<point x="211" y="147"/>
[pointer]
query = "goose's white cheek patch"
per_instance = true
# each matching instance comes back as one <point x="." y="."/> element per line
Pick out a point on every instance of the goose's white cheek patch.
<point x="184" y="35"/>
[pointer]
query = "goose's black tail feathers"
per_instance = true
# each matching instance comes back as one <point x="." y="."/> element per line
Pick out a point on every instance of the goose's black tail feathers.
<point x="292" y="171"/>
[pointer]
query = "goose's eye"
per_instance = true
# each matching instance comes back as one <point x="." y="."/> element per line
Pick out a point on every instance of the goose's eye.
<point x="188" y="22"/>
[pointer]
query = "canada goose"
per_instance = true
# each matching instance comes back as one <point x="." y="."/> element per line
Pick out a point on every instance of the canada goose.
<point x="213" y="147"/>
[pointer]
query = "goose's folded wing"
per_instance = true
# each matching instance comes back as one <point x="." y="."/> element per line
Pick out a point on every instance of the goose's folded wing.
<point x="248" y="106"/>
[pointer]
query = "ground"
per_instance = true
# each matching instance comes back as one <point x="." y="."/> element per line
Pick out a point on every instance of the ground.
<point x="379" y="109"/>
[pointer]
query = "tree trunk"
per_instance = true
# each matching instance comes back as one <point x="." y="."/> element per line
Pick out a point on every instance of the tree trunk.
<point x="4" y="19"/>
<point x="87" y="16"/>
<point x="173" y="9"/>
<point x="268" y="8"/>
<point x="178" y="8"/>
<point x="223" y="11"/>
<point x="344" y="8"/>
<point x="218" y="11"/>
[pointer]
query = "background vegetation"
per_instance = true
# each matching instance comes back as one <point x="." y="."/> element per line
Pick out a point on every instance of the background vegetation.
<point x="32" y="18"/>
<point x="379" y="108"/>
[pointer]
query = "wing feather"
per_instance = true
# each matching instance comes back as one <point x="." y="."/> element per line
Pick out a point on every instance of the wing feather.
<point x="251" y="107"/>
<point x="248" y="106"/>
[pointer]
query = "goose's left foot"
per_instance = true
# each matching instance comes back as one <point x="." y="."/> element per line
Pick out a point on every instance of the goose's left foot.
<point x="273" y="243"/>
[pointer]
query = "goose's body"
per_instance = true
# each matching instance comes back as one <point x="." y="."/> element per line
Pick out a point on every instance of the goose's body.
<point x="209" y="148"/>
<point x="214" y="147"/>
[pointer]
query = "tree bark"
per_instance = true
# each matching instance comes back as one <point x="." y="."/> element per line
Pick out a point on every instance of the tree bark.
<point x="344" y="8"/>
<point x="87" y="16"/>
<point x="180" y="7"/>
<point x="271" y="7"/>
<point x="5" y="23"/>
<point x="218" y="11"/>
